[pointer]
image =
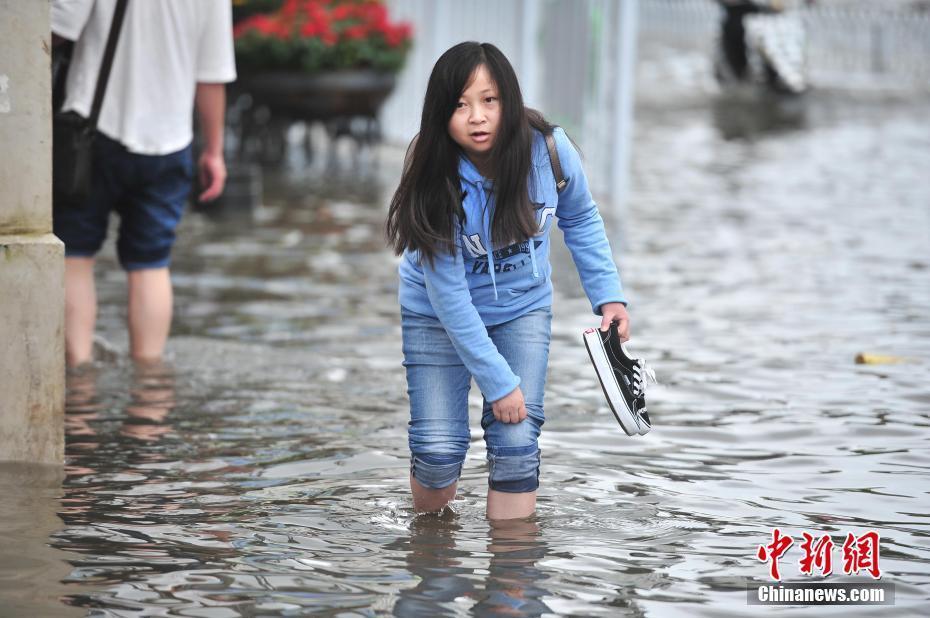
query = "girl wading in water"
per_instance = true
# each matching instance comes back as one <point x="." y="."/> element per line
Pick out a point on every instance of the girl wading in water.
<point x="472" y="217"/>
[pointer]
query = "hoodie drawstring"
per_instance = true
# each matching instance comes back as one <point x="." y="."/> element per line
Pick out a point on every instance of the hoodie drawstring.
<point x="487" y="235"/>
<point x="486" y="215"/>
<point x="484" y="198"/>
<point x="533" y="257"/>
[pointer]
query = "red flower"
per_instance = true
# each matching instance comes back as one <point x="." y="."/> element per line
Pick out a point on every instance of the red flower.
<point x="356" y="32"/>
<point x="290" y="8"/>
<point x="310" y="29"/>
<point x="241" y="28"/>
<point x="262" y="24"/>
<point x="330" y="22"/>
<point x="342" y="11"/>
<point x="375" y="14"/>
<point x="315" y="20"/>
<point x="397" y="35"/>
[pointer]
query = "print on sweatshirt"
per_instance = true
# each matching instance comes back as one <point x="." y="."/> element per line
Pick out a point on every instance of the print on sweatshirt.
<point x="476" y="249"/>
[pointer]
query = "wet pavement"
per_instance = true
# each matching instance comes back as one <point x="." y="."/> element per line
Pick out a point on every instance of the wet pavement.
<point x="262" y="470"/>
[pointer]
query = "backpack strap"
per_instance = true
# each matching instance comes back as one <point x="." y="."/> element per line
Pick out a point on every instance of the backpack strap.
<point x="104" y="75"/>
<point x="560" y="181"/>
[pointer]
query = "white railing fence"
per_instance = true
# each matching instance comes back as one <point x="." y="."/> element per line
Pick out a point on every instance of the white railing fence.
<point x="568" y="55"/>
<point x="562" y="51"/>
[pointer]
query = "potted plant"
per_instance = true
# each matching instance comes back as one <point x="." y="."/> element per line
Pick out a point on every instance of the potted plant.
<point x="320" y="59"/>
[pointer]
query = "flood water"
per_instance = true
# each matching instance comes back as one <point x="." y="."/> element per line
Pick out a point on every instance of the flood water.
<point x="262" y="470"/>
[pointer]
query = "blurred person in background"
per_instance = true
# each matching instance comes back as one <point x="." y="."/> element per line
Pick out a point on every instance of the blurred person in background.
<point x="172" y="56"/>
<point x="733" y="38"/>
<point x="762" y="42"/>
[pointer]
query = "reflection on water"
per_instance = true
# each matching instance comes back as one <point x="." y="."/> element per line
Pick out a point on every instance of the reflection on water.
<point x="515" y="585"/>
<point x="145" y="415"/>
<point x="262" y="470"/>
<point x="754" y="114"/>
<point x="504" y="580"/>
<point x="31" y="572"/>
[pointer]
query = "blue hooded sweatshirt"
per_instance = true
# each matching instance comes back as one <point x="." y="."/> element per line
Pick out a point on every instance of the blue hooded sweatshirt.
<point x="484" y="283"/>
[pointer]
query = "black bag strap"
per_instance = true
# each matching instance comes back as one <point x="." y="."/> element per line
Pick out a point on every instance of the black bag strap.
<point x="61" y="59"/>
<point x="560" y="181"/>
<point x="109" y="52"/>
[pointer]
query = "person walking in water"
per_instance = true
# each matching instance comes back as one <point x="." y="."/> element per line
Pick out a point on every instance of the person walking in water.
<point x="471" y="218"/>
<point x="171" y="56"/>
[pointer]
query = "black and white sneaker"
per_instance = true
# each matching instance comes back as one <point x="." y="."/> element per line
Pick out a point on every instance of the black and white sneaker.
<point x="622" y="377"/>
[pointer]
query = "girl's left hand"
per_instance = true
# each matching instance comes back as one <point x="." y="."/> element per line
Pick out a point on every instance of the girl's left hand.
<point x="616" y="312"/>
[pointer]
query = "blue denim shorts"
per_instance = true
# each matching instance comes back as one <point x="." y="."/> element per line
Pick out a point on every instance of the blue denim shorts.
<point x="438" y="385"/>
<point x="149" y="192"/>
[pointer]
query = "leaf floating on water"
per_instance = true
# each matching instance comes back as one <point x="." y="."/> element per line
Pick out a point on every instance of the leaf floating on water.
<point x="864" y="358"/>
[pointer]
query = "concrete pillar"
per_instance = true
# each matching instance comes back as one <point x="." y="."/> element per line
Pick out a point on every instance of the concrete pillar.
<point x="32" y="371"/>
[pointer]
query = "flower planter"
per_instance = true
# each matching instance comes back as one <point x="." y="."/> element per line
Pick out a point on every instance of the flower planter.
<point x="318" y="96"/>
<point x="300" y="60"/>
<point x="279" y="98"/>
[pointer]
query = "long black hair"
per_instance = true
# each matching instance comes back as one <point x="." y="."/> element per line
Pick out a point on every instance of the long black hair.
<point x="427" y="202"/>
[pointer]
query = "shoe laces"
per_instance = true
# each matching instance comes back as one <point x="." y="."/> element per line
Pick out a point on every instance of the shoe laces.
<point x="641" y="373"/>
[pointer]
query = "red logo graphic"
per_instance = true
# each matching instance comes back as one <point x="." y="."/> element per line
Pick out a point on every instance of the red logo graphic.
<point x="859" y="554"/>
<point x="819" y="554"/>
<point x="774" y="550"/>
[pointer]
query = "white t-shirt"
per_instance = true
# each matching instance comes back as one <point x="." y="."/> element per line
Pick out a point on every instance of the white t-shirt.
<point x="165" y="48"/>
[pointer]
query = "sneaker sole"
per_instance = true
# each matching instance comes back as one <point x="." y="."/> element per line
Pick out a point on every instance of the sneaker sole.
<point x="627" y="419"/>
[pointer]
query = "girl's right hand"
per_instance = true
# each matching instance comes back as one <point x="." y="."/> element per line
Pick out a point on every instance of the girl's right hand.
<point x="511" y="408"/>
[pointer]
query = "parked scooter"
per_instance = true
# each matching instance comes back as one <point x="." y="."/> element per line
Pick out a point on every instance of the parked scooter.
<point x="763" y="44"/>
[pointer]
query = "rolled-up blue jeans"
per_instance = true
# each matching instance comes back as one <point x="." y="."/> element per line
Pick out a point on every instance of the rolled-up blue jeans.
<point x="438" y="384"/>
